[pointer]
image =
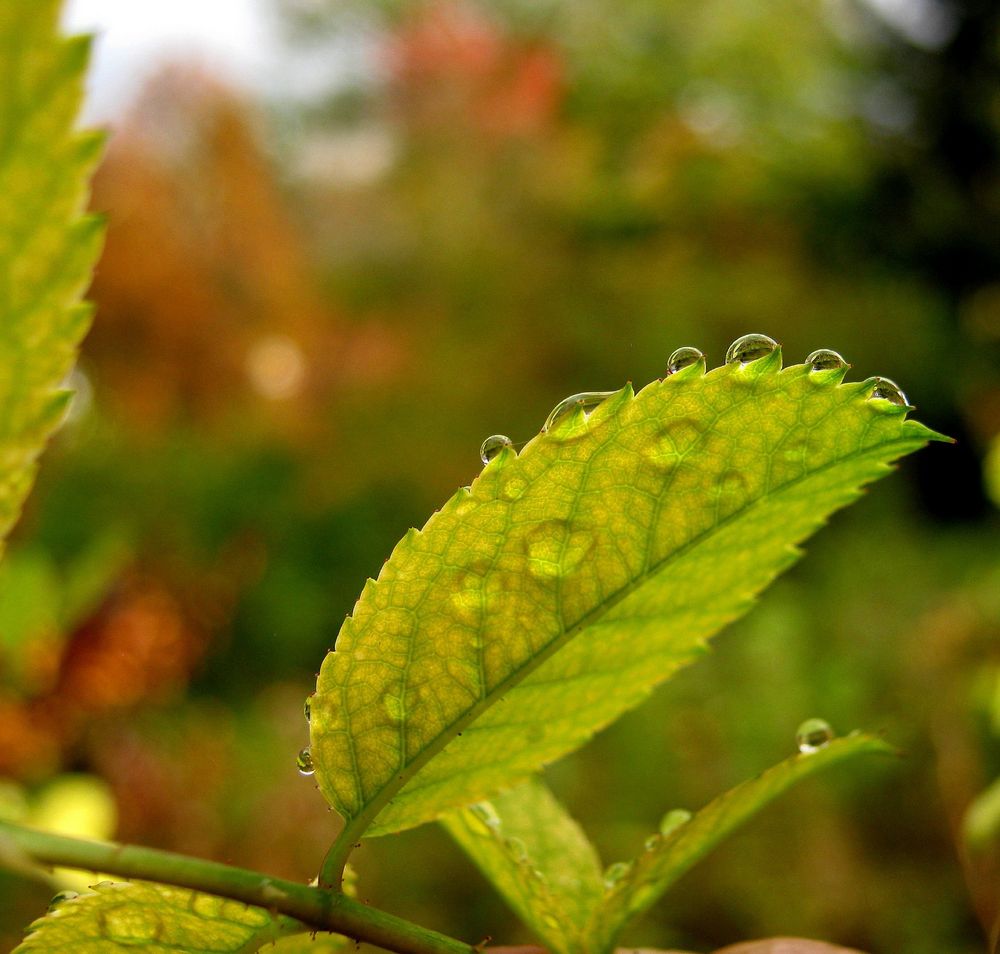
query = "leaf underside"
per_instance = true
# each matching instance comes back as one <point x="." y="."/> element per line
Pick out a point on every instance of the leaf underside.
<point x="555" y="593"/>
<point x="48" y="246"/>
<point x="122" y="916"/>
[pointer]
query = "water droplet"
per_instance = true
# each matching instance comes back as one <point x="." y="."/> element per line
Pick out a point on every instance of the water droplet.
<point x="517" y="849"/>
<point x="825" y="360"/>
<point x="614" y="873"/>
<point x="485" y="812"/>
<point x="587" y="400"/>
<point x="63" y="896"/>
<point x="653" y="842"/>
<point x="128" y="924"/>
<point x="307" y="708"/>
<point x="673" y="820"/>
<point x="683" y="358"/>
<point x="886" y="390"/>
<point x="750" y="348"/>
<point x="556" y="548"/>
<point x="304" y="762"/>
<point x="812" y="735"/>
<point x="492" y="446"/>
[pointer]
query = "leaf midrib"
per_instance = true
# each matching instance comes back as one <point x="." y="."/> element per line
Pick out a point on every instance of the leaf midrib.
<point x="362" y="821"/>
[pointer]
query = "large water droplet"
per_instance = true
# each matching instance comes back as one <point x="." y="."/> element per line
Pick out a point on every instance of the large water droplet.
<point x="492" y="446"/>
<point x="588" y="400"/>
<point x="614" y="873"/>
<point x="673" y="820"/>
<point x="750" y="348"/>
<point x="304" y="762"/>
<point x="812" y="735"/>
<point x="825" y="360"/>
<point x="307" y="708"/>
<point x="886" y="390"/>
<point x="683" y="358"/>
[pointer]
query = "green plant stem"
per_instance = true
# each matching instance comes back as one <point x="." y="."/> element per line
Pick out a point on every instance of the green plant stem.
<point x="318" y="909"/>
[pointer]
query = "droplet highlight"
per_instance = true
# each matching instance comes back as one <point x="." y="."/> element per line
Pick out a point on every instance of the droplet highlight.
<point x="304" y="762"/>
<point x="886" y="390"/>
<point x="813" y="735"/>
<point x="615" y="873"/>
<point x="683" y="358"/>
<point x="493" y="445"/>
<point x="587" y="400"/>
<point x="673" y="820"/>
<point x="750" y="348"/>
<point x="825" y="360"/>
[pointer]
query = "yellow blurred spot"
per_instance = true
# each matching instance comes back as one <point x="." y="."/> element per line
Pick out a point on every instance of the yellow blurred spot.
<point x="276" y="367"/>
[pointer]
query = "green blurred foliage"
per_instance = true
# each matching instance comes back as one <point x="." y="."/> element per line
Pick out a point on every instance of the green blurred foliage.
<point x="310" y="313"/>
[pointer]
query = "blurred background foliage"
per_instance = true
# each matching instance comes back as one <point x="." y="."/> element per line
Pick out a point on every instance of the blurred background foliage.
<point x="312" y="309"/>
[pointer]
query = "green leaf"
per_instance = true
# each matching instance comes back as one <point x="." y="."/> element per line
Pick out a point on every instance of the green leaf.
<point x="48" y="245"/>
<point x="538" y="858"/>
<point x="670" y="855"/>
<point x="555" y="593"/>
<point x="160" y="919"/>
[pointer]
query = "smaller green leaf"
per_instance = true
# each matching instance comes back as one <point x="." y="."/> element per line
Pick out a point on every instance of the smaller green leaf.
<point x="158" y="918"/>
<point x="538" y="858"/>
<point x="643" y="881"/>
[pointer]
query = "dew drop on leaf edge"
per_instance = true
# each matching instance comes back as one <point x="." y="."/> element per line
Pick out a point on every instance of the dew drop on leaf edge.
<point x="683" y="358"/>
<point x="493" y="445"/>
<point x="887" y="390"/>
<point x="304" y="762"/>
<point x="307" y="708"/>
<point x="673" y="820"/>
<point x="825" y="360"/>
<point x="812" y="735"/>
<point x="614" y="873"/>
<point x="585" y="399"/>
<point x="750" y="348"/>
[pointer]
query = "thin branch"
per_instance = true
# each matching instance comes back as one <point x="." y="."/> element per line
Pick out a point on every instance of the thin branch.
<point x="318" y="909"/>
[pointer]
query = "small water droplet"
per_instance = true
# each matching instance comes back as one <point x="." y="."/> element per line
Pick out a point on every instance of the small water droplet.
<point x="812" y="735"/>
<point x="63" y="896"/>
<point x="492" y="446"/>
<point x="750" y="348"/>
<point x="614" y="873"/>
<point x="653" y="842"/>
<point x="307" y="708"/>
<point x="304" y="762"/>
<point x="886" y="390"/>
<point x="486" y="813"/>
<point x="825" y="360"/>
<point x="518" y="850"/>
<point x="587" y="400"/>
<point x="673" y="820"/>
<point x="683" y="358"/>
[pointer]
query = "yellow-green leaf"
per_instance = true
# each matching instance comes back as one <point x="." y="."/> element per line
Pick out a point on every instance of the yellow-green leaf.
<point x="122" y="916"/>
<point x="48" y="245"/>
<point x="641" y="882"/>
<point x="538" y="858"/>
<point x="568" y="581"/>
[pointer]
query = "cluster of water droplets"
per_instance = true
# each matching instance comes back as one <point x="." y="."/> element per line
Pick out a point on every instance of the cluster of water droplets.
<point x="743" y="351"/>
